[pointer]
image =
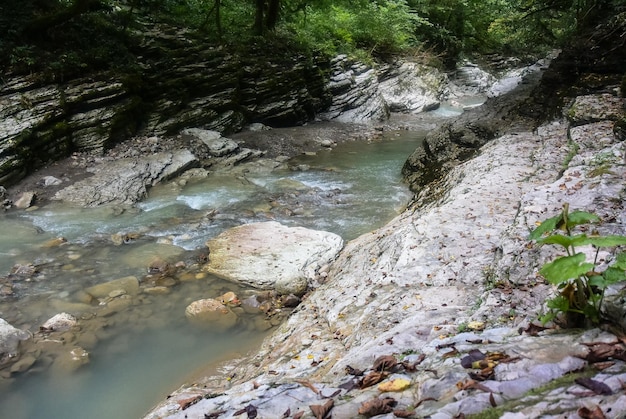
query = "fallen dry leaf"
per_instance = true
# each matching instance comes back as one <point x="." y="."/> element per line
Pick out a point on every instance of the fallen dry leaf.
<point x="586" y="413"/>
<point x="321" y="411"/>
<point x="353" y="371"/>
<point x="604" y="351"/>
<point x="185" y="403"/>
<point x="372" y="378"/>
<point x="532" y="329"/>
<point x="298" y="415"/>
<point x="596" y="386"/>
<point x="476" y="325"/>
<point x="473" y="356"/>
<point x="308" y="385"/>
<point x="377" y="407"/>
<point x="603" y="365"/>
<point x="472" y="384"/>
<point x="249" y="409"/>
<point x="399" y="384"/>
<point x="452" y="352"/>
<point x="385" y="363"/>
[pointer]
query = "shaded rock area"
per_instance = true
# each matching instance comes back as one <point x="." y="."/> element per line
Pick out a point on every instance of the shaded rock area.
<point x="593" y="62"/>
<point x="272" y="256"/>
<point x="181" y="83"/>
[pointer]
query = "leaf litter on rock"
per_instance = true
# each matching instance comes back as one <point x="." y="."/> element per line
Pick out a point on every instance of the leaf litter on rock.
<point x="377" y="406"/>
<point x="598" y="387"/>
<point x="321" y="411"/>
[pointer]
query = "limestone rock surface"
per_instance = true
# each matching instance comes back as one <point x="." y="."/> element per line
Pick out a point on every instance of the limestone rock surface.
<point x="262" y="254"/>
<point x="125" y="182"/>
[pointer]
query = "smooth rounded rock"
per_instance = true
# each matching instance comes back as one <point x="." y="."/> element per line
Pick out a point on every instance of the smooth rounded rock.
<point x="61" y="322"/>
<point x="212" y="314"/>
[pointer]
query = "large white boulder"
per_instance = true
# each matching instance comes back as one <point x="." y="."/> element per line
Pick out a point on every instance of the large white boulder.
<point x="263" y="254"/>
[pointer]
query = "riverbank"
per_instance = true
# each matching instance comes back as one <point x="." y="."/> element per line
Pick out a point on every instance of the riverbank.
<point x="452" y="275"/>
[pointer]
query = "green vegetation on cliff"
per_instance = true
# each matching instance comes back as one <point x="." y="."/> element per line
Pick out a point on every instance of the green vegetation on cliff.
<point x="64" y="38"/>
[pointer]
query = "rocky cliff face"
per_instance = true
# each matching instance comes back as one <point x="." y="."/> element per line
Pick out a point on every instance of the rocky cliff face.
<point x="177" y="83"/>
<point x="593" y="61"/>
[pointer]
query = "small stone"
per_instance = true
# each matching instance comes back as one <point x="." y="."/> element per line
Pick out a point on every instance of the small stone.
<point x="25" y="200"/>
<point x="157" y="290"/>
<point x="117" y="293"/>
<point x="24" y="363"/>
<point x="129" y="284"/>
<point x="61" y="322"/>
<point x="211" y="314"/>
<point x="296" y="286"/>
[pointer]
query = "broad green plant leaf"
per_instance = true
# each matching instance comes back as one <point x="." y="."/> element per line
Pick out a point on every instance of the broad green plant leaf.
<point x="565" y="241"/>
<point x="546" y="226"/>
<point x="612" y="275"/>
<point x="620" y="261"/>
<point x="575" y="218"/>
<point x="559" y="303"/>
<point x="606" y="241"/>
<point x="565" y="268"/>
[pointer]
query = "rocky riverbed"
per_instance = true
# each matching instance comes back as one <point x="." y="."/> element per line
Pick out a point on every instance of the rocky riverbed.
<point x="435" y="314"/>
<point x="406" y="310"/>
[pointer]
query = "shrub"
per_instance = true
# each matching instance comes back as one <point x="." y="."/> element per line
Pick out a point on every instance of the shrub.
<point x="580" y="282"/>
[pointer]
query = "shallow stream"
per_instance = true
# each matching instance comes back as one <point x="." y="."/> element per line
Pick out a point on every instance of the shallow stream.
<point x="139" y="354"/>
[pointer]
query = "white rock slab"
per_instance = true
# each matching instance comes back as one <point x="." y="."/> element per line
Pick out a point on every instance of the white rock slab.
<point x="261" y="254"/>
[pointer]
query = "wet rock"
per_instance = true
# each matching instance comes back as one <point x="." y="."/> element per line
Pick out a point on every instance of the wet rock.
<point x="411" y="88"/>
<point x="129" y="284"/>
<point x="262" y="254"/>
<point x="10" y="338"/>
<point x="296" y="286"/>
<point x="61" y="322"/>
<point x="141" y="256"/>
<point x="70" y="360"/>
<point x="290" y="300"/>
<point x="25" y="200"/>
<point x="24" y="364"/>
<point x="355" y="92"/>
<point x="58" y="241"/>
<point x="470" y="80"/>
<point x="212" y="314"/>
<point x="50" y="181"/>
<point x="126" y="181"/>
<point x="217" y="145"/>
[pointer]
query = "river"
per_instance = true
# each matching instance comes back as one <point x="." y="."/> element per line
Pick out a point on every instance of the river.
<point x="139" y="354"/>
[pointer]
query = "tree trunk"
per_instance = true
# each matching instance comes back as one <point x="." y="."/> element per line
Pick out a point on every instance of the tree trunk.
<point x="258" y="18"/>
<point x="273" y="12"/>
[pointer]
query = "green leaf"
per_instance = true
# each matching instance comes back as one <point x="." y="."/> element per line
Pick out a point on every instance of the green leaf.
<point x="599" y="282"/>
<point x="565" y="241"/>
<point x="612" y="275"/>
<point x="575" y="218"/>
<point x="620" y="261"/>
<point x="565" y="268"/>
<point x="546" y="226"/>
<point x="606" y="241"/>
<point x="558" y="303"/>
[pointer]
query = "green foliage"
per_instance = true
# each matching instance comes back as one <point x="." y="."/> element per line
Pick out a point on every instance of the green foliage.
<point x="581" y="286"/>
<point x="70" y="37"/>
<point x="381" y="28"/>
